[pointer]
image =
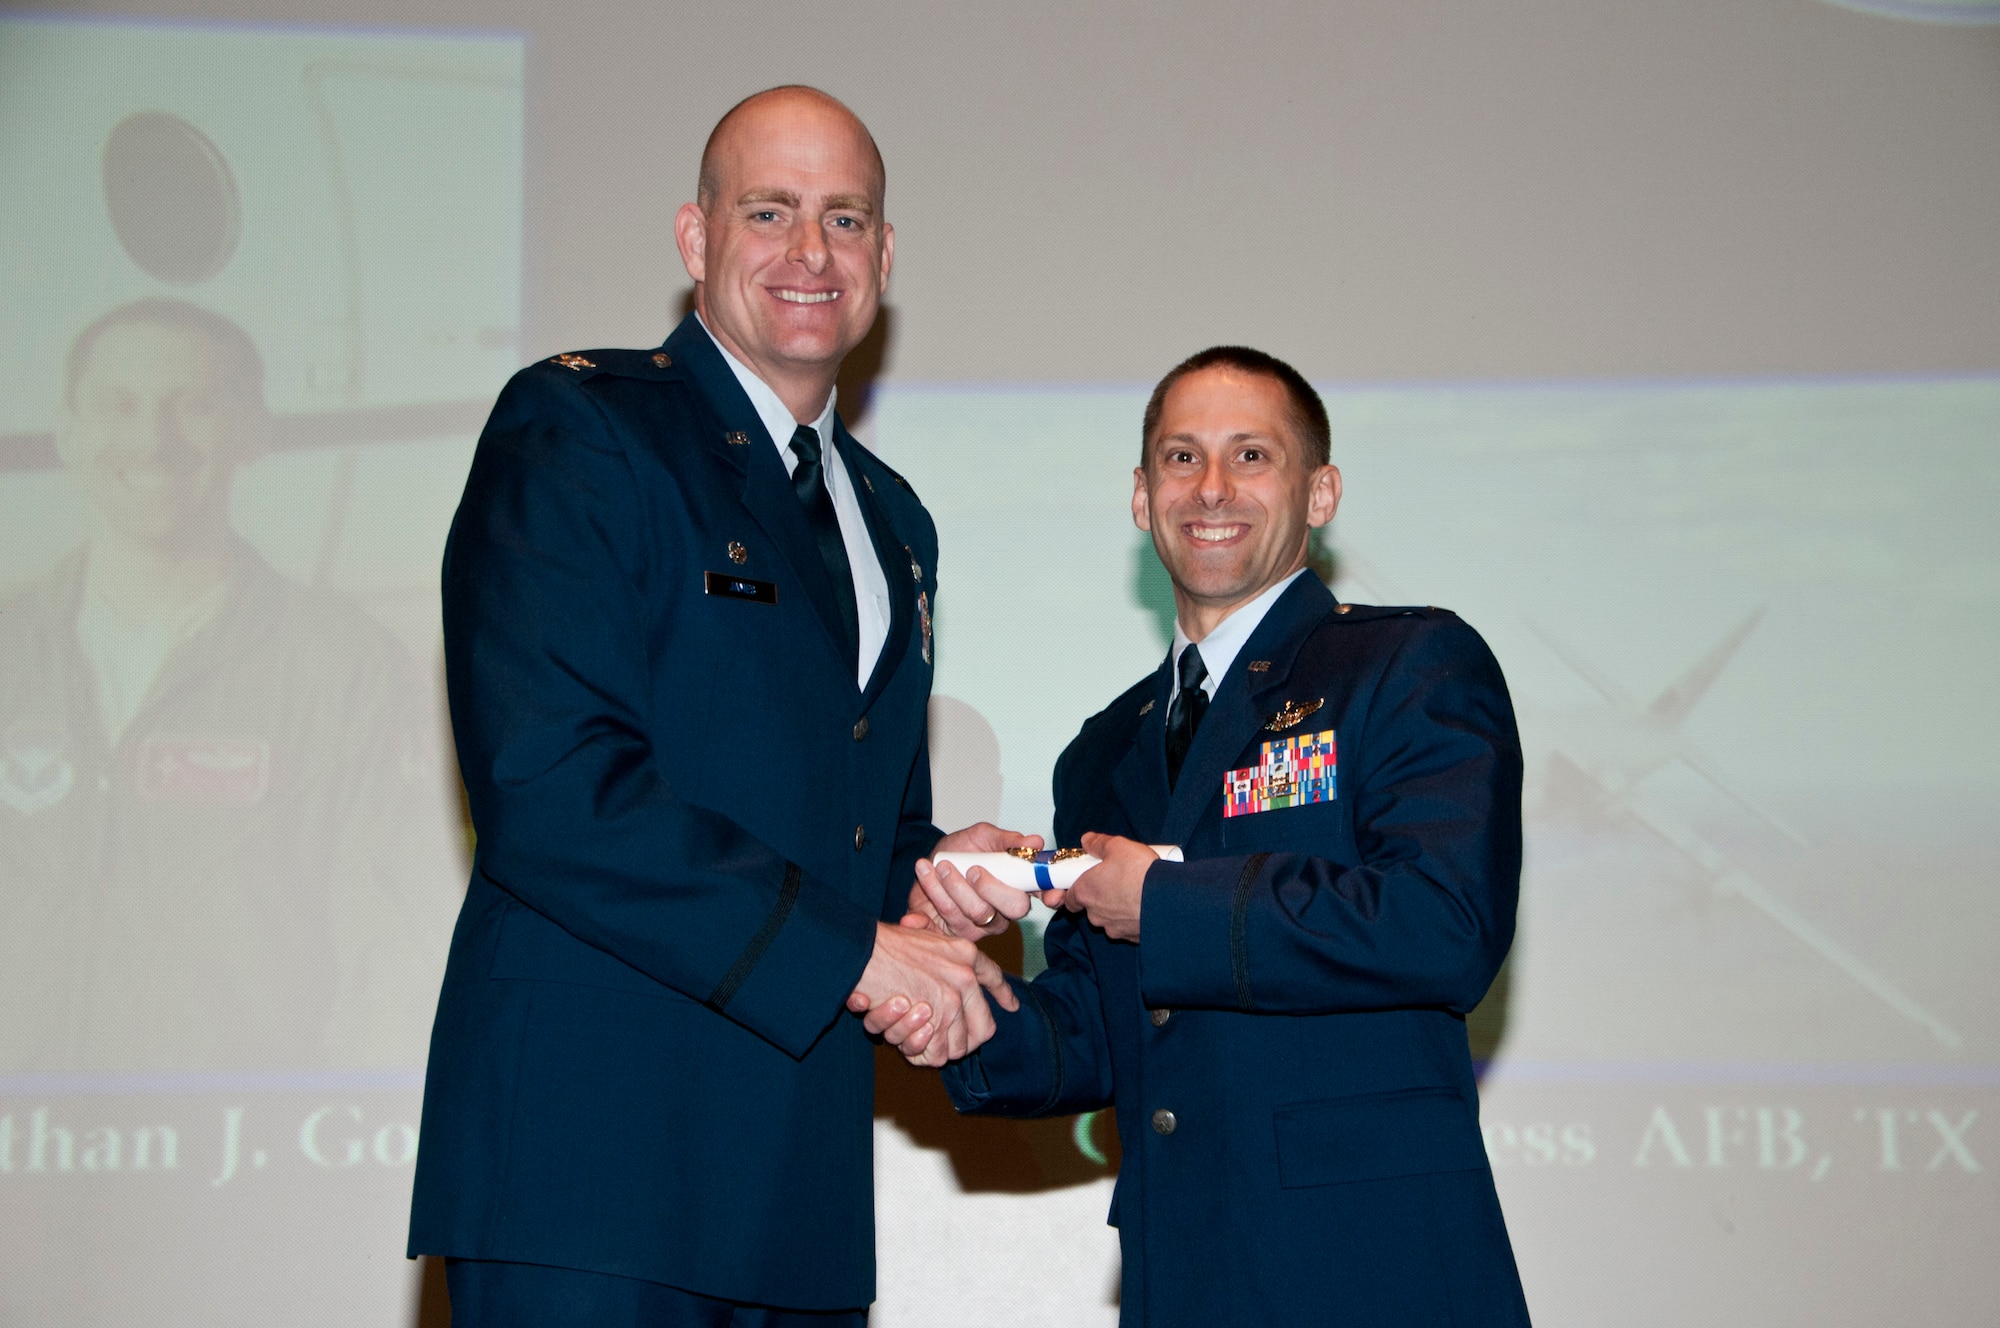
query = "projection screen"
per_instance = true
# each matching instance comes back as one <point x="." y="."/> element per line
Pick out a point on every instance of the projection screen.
<point x="1661" y="343"/>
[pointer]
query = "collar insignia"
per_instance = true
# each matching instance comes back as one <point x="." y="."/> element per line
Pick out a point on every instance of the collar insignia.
<point x="1146" y="709"/>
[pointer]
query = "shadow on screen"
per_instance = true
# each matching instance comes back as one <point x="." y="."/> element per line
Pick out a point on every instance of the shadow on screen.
<point x="986" y="1154"/>
<point x="431" y="1308"/>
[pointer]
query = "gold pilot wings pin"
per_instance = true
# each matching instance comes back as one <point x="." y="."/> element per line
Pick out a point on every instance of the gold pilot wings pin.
<point x="1292" y="714"/>
<point x="1290" y="772"/>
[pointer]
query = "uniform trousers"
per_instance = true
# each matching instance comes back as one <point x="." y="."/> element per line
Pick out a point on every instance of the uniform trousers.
<point x="491" y="1294"/>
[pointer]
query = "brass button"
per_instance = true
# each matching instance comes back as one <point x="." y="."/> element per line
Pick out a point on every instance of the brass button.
<point x="1160" y="1018"/>
<point x="860" y="838"/>
<point x="1164" y="1122"/>
<point x="737" y="553"/>
<point x="861" y="728"/>
<point x="1342" y="608"/>
<point x="662" y="360"/>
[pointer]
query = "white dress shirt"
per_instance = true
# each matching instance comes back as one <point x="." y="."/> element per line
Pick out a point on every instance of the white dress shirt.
<point x="1221" y="646"/>
<point x="871" y="584"/>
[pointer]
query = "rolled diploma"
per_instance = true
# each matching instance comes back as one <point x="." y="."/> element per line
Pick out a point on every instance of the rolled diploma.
<point x="1042" y="872"/>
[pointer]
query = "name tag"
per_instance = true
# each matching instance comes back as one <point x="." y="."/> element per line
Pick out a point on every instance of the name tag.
<point x="739" y="587"/>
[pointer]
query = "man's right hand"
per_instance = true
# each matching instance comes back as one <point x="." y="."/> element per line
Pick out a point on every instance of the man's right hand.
<point x="922" y="991"/>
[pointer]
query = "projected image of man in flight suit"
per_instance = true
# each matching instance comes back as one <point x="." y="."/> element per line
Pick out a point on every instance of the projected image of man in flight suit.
<point x="211" y="838"/>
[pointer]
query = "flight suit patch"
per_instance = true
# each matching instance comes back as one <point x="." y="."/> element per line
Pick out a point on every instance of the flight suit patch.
<point x="234" y="772"/>
<point x="35" y="772"/>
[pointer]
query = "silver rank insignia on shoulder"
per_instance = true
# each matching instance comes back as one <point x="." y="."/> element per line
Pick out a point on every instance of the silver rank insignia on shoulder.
<point x="573" y="361"/>
<point x="1292" y="714"/>
<point x="924" y="618"/>
<point x="1146" y="709"/>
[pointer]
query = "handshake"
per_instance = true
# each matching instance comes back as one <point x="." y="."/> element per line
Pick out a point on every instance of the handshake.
<point x="926" y="985"/>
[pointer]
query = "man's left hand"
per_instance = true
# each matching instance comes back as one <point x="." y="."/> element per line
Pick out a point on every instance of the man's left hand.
<point x="1110" y="893"/>
<point x="970" y="905"/>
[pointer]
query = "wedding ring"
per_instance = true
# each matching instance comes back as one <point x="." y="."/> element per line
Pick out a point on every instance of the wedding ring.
<point x="989" y="919"/>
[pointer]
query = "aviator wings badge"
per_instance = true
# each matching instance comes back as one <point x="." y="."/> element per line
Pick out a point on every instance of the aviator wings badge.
<point x="1292" y="714"/>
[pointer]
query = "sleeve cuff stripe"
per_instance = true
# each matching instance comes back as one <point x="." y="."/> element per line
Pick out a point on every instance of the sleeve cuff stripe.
<point x="1055" y="1047"/>
<point x="1239" y="927"/>
<point x="732" y="981"/>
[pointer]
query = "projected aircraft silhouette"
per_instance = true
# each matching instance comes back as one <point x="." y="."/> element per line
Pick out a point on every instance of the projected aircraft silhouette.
<point x="1585" y="764"/>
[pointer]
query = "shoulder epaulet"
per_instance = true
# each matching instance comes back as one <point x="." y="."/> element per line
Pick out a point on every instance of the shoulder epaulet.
<point x="1344" y="612"/>
<point x="625" y="363"/>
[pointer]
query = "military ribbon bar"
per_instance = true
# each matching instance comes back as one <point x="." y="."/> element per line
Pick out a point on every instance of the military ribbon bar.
<point x="1290" y="772"/>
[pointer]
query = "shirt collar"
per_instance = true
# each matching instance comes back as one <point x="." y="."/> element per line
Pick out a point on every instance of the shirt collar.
<point x="1221" y="646"/>
<point x="775" y="415"/>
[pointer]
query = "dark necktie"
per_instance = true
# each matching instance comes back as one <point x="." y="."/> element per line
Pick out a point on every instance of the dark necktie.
<point x="1190" y="704"/>
<point x="809" y="483"/>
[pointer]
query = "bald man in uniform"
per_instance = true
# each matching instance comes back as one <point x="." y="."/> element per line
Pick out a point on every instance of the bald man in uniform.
<point x="688" y="644"/>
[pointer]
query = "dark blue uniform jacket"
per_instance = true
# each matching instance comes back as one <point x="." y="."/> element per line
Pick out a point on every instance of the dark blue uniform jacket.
<point x="690" y="820"/>
<point x="1285" y="1044"/>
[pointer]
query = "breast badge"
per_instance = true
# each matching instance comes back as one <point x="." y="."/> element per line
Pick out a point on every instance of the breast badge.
<point x="1292" y="714"/>
<point x="1290" y="772"/>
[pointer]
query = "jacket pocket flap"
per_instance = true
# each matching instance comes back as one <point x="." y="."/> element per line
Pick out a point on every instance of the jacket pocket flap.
<point x="1413" y="1132"/>
<point x="1320" y="829"/>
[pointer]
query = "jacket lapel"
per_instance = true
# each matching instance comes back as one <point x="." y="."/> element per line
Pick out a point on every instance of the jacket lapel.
<point x="1243" y="702"/>
<point x="894" y="558"/>
<point x="1140" y="778"/>
<point x="767" y="489"/>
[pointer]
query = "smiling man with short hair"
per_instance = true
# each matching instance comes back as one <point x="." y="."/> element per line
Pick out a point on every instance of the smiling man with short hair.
<point x="1280" y="1018"/>
<point x="688" y="649"/>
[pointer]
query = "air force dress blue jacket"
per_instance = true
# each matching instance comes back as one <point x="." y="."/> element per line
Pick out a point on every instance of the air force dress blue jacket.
<point x="1285" y="1045"/>
<point x="690" y="819"/>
